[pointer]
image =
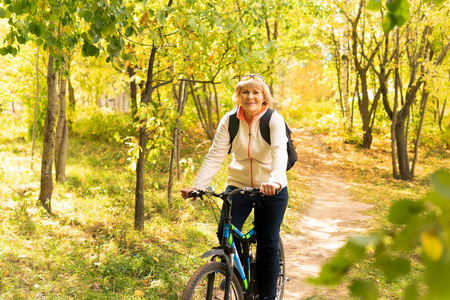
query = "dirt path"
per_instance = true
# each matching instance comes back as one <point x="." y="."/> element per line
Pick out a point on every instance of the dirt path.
<point x="330" y="219"/>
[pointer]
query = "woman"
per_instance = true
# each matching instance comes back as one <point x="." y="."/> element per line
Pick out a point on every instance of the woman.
<point x="254" y="163"/>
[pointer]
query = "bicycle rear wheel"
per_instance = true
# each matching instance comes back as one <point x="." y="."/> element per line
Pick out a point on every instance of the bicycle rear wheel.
<point x="282" y="271"/>
<point x="208" y="283"/>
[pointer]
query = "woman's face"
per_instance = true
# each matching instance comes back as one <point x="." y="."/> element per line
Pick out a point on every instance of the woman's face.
<point x="251" y="100"/>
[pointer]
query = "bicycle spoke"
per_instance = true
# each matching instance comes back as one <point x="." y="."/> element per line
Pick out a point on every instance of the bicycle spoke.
<point x="210" y="285"/>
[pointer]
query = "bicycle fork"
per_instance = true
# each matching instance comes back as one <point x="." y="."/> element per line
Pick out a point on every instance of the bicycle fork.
<point x="228" y="259"/>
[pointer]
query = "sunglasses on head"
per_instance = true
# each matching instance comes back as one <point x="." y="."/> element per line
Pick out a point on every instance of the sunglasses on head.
<point x="255" y="77"/>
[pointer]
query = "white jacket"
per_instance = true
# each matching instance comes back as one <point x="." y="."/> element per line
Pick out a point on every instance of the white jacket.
<point x="254" y="161"/>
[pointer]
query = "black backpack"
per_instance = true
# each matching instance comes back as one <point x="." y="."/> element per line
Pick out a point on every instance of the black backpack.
<point x="233" y="127"/>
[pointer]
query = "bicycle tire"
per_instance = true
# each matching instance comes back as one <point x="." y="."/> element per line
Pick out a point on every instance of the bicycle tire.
<point x="282" y="271"/>
<point x="206" y="275"/>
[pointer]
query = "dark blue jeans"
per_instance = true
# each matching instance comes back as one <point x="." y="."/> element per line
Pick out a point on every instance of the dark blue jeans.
<point x="269" y="213"/>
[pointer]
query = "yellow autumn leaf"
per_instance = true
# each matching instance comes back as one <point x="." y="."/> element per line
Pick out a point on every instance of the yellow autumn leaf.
<point x="41" y="4"/>
<point x="156" y="259"/>
<point x="122" y="160"/>
<point x="67" y="29"/>
<point x="432" y="245"/>
<point x="139" y="293"/>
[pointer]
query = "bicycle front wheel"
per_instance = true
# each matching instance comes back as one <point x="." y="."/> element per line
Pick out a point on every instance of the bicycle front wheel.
<point x="208" y="282"/>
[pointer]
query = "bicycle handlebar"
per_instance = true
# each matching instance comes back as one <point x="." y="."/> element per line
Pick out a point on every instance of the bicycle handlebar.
<point x="245" y="191"/>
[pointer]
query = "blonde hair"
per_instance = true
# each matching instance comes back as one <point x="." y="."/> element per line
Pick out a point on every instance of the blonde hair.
<point x="251" y="83"/>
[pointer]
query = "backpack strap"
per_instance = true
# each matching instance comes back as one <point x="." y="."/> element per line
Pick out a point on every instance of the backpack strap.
<point x="233" y="127"/>
<point x="264" y="125"/>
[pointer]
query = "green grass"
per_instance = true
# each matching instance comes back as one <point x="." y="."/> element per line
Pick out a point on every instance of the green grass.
<point x="89" y="249"/>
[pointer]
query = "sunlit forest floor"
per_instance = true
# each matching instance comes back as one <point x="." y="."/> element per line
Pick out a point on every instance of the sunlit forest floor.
<point x="89" y="250"/>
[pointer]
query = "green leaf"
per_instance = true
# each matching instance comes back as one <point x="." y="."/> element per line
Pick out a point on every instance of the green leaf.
<point x="82" y="12"/>
<point x="114" y="43"/>
<point x="72" y="9"/>
<point x="411" y="292"/>
<point x="18" y="9"/>
<point x="334" y="270"/>
<point x="18" y="24"/>
<point x="4" y="51"/>
<point x="192" y="23"/>
<point x="441" y="183"/>
<point x="398" y="14"/>
<point x="22" y="39"/>
<point x="161" y="16"/>
<point x="2" y="12"/>
<point x="393" y="5"/>
<point x="202" y="29"/>
<point x="90" y="50"/>
<point x="437" y="276"/>
<point x="39" y="42"/>
<point x="51" y="40"/>
<point x="401" y="212"/>
<point x="366" y="290"/>
<point x="438" y="200"/>
<point x="438" y="2"/>
<point x="46" y="15"/>
<point x="393" y="267"/>
<point x="129" y="31"/>
<point x="98" y="22"/>
<point x="87" y="16"/>
<point x="365" y="241"/>
<point x="36" y="29"/>
<point x="13" y="51"/>
<point x="71" y="41"/>
<point x="374" y="5"/>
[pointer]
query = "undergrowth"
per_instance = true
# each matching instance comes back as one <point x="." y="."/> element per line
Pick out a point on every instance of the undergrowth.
<point x="89" y="249"/>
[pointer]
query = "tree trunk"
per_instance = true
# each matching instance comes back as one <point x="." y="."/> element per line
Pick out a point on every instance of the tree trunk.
<point x="35" y="108"/>
<point x="146" y="97"/>
<point x="139" y="211"/>
<point x="208" y="101"/>
<point x="345" y="74"/>
<point x="358" y="59"/>
<point x="402" y="148"/>
<point x="72" y="106"/>
<point x="183" y="96"/>
<point x="393" y="114"/>
<point x="394" y="139"/>
<point x="423" y="109"/>
<point x="62" y="134"/>
<point x="45" y="194"/>
<point x="365" y="114"/>
<point x="203" y="116"/>
<point x="140" y="166"/>
<point x="175" y="153"/>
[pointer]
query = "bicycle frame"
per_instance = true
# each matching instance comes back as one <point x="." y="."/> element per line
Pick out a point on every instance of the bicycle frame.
<point x="227" y="250"/>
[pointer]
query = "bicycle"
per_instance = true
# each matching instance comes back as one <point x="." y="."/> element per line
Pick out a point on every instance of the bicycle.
<point x="225" y="276"/>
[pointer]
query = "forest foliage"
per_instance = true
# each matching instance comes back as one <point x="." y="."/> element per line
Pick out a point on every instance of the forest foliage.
<point x="364" y="70"/>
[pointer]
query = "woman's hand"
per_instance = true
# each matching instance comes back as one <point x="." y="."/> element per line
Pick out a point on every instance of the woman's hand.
<point x="185" y="193"/>
<point x="270" y="189"/>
